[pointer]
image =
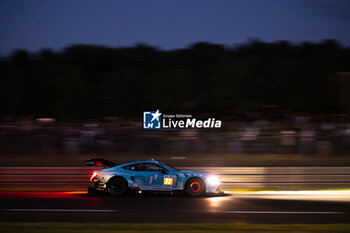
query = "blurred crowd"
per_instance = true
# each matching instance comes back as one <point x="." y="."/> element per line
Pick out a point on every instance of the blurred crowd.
<point x="249" y="133"/>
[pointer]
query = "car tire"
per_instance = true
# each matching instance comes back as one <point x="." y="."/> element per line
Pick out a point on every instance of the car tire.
<point x="195" y="187"/>
<point x="117" y="186"/>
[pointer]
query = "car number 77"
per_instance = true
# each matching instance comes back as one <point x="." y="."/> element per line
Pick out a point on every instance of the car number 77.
<point x="168" y="181"/>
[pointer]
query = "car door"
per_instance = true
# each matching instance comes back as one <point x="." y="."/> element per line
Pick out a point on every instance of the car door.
<point x="152" y="174"/>
<point x="137" y="175"/>
<point x="154" y="178"/>
<point x="162" y="179"/>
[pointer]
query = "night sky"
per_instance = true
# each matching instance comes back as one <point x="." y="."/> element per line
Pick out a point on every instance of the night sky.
<point x="37" y="24"/>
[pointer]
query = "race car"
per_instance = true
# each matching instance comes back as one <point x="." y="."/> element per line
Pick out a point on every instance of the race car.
<point x="149" y="175"/>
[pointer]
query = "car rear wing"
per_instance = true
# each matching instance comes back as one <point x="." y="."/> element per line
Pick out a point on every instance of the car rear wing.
<point x="99" y="163"/>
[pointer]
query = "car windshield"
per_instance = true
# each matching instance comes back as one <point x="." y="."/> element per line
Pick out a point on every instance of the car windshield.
<point x="171" y="168"/>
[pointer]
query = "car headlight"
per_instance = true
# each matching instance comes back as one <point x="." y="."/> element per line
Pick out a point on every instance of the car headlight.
<point x="213" y="180"/>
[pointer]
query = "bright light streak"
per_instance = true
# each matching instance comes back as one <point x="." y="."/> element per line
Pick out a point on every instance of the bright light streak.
<point x="94" y="174"/>
<point x="320" y="195"/>
<point x="216" y="201"/>
<point x="76" y="192"/>
<point x="213" y="181"/>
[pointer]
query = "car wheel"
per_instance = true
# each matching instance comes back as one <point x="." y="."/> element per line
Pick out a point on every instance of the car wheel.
<point x="117" y="186"/>
<point x="195" y="187"/>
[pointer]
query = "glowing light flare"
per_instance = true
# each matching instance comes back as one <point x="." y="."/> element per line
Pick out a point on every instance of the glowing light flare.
<point x="98" y="164"/>
<point x="94" y="174"/>
<point x="324" y="195"/>
<point x="213" y="181"/>
<point x="196" y="187"/>
<point x="76" y="192"/>
<point x="215" y="202"/>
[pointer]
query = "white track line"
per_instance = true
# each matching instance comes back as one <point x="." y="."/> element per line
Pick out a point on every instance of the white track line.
<point x="59" y="210"/>
<point x="279" y="212"/>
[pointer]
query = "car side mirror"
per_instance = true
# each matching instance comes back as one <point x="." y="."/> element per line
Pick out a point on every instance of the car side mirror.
<point x="164" y="171"/>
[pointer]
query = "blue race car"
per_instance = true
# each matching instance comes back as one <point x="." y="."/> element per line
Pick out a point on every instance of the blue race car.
<point x="149" y="175"/>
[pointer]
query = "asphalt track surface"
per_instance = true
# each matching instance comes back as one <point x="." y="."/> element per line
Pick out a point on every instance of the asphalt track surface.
<point x="78" y="207"/>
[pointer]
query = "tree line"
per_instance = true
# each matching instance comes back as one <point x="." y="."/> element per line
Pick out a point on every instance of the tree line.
<point x="83" y="81"/>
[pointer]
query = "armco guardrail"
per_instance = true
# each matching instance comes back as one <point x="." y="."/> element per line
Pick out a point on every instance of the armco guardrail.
<point x="233" y="178"/>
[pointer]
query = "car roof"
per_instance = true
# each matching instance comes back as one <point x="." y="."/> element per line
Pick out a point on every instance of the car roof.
<point x="141" y="161"/>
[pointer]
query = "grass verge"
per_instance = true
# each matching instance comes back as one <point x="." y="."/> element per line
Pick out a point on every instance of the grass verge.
<point x="170" y="227"/>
